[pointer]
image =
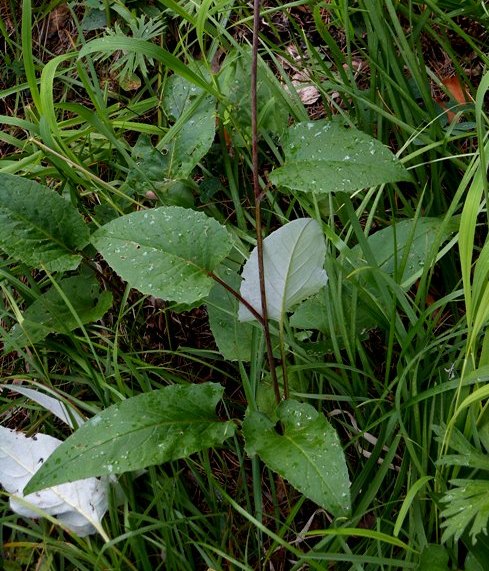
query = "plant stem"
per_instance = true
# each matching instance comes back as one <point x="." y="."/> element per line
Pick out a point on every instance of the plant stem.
<point x="241" y="299"/>
<point x="258" y="196"/>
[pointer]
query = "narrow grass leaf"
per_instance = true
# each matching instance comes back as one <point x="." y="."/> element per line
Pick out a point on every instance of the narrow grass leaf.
<point x="114" y="43"/>
<point x="145" y="430"/>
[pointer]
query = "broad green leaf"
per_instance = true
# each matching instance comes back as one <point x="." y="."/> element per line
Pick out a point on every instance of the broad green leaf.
<point x="50" y="313"/>
<point x="265" y="394"/>
<point x="194" y="136"/>
<point x="293" y="258"/>
<point x="232" y="337"/>
<point x="433" y="558"/>
<point x="154" y="174"/>
<point x="39" y="227"/>
<point x="315" y="312"/>
<point x="476" y="559"/>
<point x="325" y="156"/>
<point x="167" y="252"/>
<point x="145" y="430"/>
<point x="235" y="85"/>
<point x="308" y="454"/>
<point x="401" y="250"/>
<point x="188" y="140"/>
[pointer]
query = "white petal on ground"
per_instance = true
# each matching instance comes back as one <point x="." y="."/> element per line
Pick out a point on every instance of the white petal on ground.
<point x="79" y="505"/>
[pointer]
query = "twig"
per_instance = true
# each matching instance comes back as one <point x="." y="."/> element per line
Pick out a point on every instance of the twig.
<point x="241" y="299"/>
<point x="258" y="197"/>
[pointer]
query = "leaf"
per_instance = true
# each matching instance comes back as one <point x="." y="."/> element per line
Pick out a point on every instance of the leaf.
<point x="232" y="337"/>
<point x="65" y="412"/>
<point x="325" y="156"/>
<point x="80" y="505"/>
<point x="315" y="312"/>
<point x="293" y="259"/>
<point x="137" y="46"/>
<point x="433" y="558"/>
<point x="148" y="429"/>
<point x="403" y="248"/>
<point x="308" y="454"/>
<point x="49" y="232"/>
<point x="194" y="137"/>
<point x="186" y="143"/>
<point x="467" y="507"/>
<point x="167" y="252"/>
<point x="235" y="86"/>
<point x="49" y="313"/>
<point x="468" y="455"/>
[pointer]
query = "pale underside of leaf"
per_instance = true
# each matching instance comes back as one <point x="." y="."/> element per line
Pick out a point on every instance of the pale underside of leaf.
<point x="293" y="258"/>
<point x="64" y="412"/>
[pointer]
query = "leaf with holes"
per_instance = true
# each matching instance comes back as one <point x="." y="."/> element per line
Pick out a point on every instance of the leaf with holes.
<point x="308" y="453"/>
<point x="145" y="430"/>
<point x="293" y="259"/>
<point x="325" y="156"/>
<point x="38" y="226"/>
<point x="167" y="252"/>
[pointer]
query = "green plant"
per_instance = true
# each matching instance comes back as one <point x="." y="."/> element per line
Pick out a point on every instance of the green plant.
<point x="175" y="253"/>
<point x="127" y="63"/>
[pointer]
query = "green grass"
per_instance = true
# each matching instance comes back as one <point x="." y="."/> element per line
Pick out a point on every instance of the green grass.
<point x="66" y="122"/>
